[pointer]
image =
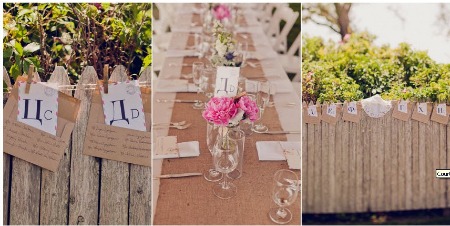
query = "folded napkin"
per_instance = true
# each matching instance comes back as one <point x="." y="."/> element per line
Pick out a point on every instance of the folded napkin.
<point x="181" y="53"/>
<point x="174" y="86"/>
<point x="185" y="149"/>
<point x="280" y="151"/>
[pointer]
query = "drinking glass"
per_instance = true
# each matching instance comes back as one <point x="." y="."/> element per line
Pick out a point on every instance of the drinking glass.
<point x="209" y="80"/>
<point x="237" y="135"/>
<point x="262" y="99"/>
<point x="225" y="158"/>
<point x="197" y="68"/>
<point x="285" y="189"/>
<point x="212" y="131"/>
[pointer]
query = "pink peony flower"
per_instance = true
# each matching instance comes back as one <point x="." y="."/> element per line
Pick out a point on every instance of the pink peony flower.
<point x="220" y="110"/>
<point x="221" y="12"/>
<point x="249" y="107"/>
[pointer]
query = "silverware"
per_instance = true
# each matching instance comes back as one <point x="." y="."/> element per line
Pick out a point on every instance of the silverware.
<point x="179" y="65"/>
<point x="277" y="132"/>
<point x="175" y="101"/>
<point x="178" y="175"/>
<point x="181" y="126"/>
<point x="170" y="123"/>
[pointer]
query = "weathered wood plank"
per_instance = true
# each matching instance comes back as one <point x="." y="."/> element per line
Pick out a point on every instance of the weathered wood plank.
<point x="25" y="189"/>
<point x="408" y="166"/>
<point x="55" y="185"/>
<point x="443" y="137"/>
<point x="338" y="165"/>
<point x="345" y="166"/>
<point x="415" y="164"/>
<point x="317" y="166"/>
<point x="401" y="166"/>
<point x="394" y="166"/>
<point x="25" y="193"/>
<point x="115" y="179"/>
<point x="422" y="165"/>
<point x="366" y="163"/>
<point x="332" y="169"/>
<point x="387" y="161"/>
<point x="140" y="182"/>
<point x="324" y="167"/>
<point x="448" y="164"/>
<point x="6" y="163"/>
<point x="84" y="174"/>
<point x="310" y="172"/>
<point x="359" y="168"/>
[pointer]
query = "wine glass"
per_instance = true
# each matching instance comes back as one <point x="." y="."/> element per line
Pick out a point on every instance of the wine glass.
<point x="197" y="68"/>
<point x="209" y="79"/>
<point x="285" y="190"/>
<point x="212" y="131"/>
<point x="262" y="99"/>
<point x="225" y="158"/>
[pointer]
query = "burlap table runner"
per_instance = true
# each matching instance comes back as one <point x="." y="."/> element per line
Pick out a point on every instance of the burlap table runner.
<point x="191" y="200"/>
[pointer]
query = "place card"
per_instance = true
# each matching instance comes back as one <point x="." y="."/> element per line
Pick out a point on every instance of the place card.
<point x="422" y="112"/>
<point x="402" y="110"/>
<point x="39" y="107"/>
<point x="440" y="113"/>
<point x="118" y="143"/>
<point x="34" y="145"/>
<point x="226" y="81"/>
<point x="122" y="106"/>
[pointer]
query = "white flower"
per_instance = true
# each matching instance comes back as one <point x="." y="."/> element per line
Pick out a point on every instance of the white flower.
<point x="237" y="118"/>
<point x="220" y="48"/>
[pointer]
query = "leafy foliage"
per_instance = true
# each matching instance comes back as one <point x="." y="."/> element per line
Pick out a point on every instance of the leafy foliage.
<point x="357" y="69"/>
<point x="75" y="35"/>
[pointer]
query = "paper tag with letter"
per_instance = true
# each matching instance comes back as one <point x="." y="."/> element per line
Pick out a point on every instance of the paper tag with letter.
<point x="39" y="108"/>
<point x="352" y="109"/>
<point x="402" y="110"/>
<point x="422" y="112"/>
<point x="352" y="112"/>
<point x="226" y="81"/>
<point x="440" y="113"/>
<point x="123" y="107"/>
<point x="311" y="114"/>
<point x="330" y="113"/>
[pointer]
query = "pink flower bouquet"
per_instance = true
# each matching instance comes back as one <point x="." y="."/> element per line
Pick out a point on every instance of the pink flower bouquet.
<point x="221" y="12"/>
<point x="227" y="111"/>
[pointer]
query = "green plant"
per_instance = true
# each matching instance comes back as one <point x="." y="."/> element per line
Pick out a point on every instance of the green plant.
<point x="76" y="35"/>
<point x="357" y="69"/>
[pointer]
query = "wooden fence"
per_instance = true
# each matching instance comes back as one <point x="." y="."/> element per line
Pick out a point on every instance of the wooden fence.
<point x="382" y="164"/>
<point x="85" y="189"/>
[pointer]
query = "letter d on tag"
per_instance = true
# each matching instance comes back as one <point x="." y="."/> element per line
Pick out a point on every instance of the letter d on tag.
<point x="312" y="111"/>
<point x="351" y="108"/>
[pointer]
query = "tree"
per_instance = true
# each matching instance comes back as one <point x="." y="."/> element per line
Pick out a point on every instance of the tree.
<point x="334" y="16"/>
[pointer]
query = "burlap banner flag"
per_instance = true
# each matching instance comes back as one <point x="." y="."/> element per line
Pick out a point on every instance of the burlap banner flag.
<point x="422" y="112"/>
<point x="311" y="113"/>
<point x="331" y="113"/>
<point x="402" y="110"/>
<point x="352" y="111"/>
<point x="440" y="113"/>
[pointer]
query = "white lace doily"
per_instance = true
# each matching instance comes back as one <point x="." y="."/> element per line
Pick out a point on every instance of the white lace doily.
<point x="376" y="107"/>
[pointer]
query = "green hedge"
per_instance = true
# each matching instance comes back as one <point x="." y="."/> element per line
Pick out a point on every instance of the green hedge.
<point x="359" y="69"/>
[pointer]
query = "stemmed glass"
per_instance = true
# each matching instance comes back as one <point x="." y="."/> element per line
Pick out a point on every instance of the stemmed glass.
<point x="285" y="190"/>
<point x="209" y="79"/>
<point x="225" y="159"/>
<point x="211" y="135"/>
<point x="197" y="68"/>
<point x="262" y="99"/>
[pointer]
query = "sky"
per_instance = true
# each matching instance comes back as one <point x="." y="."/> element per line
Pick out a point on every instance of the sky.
<point x="418" y="27"/>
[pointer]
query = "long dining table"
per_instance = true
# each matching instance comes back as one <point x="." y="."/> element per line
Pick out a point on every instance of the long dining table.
<point x="190" y="200"/>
